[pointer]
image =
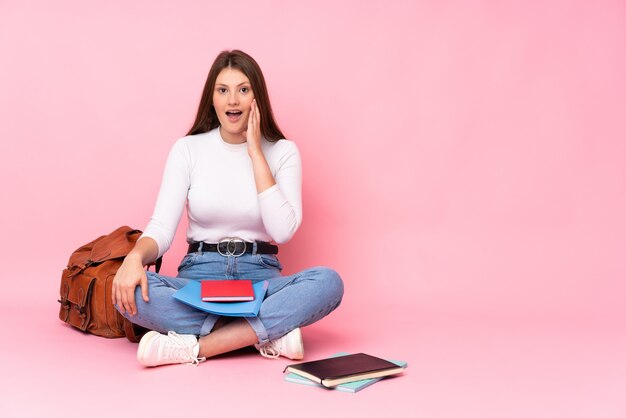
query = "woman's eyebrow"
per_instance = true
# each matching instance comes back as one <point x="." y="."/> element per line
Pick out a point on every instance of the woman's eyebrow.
<point x="226" y="85"/>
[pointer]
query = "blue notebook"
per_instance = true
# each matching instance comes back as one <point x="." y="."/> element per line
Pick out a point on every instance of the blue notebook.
<point x="351" y="387"/>
<point x="191" y="295"/>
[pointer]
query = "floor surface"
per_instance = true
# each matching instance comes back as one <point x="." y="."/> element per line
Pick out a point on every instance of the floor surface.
<point x="457" y="368"/>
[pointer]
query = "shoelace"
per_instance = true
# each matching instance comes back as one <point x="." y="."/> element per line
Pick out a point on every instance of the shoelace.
<point x="269" y="351"/>
<point x="179" y="348"/>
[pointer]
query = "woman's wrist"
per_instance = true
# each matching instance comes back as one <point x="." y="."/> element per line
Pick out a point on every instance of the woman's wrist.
<point x="255" y="153"/>
<point x="146" y="250"/>
<point x="134" y="257"/>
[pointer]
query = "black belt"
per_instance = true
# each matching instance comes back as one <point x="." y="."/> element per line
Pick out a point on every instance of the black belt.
<point x="234" y="247"/>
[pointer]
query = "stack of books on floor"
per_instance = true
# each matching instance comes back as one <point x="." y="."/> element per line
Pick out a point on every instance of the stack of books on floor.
<point x="344" y="372"/>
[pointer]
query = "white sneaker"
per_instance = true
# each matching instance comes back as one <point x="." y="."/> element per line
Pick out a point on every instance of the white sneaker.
<point x="156" y="349"/>
<point x="289" y="345"/>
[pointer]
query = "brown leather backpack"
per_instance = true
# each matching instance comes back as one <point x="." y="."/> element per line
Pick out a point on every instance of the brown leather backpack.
<point x="86" y="285"/>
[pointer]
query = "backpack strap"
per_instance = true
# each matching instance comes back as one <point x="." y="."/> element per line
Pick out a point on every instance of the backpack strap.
<point x="156" y="264"/>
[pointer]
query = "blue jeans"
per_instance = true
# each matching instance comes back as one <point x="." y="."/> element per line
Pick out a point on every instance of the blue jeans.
<point x="291" y="301"/>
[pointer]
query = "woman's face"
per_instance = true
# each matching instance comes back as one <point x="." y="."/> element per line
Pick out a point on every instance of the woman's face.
<point x="232" y="98"/>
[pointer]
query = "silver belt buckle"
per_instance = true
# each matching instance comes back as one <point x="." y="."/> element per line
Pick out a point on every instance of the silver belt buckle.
<point x="231" y="247"/>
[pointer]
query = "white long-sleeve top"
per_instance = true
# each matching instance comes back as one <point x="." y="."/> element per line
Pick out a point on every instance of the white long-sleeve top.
<point x="216" y="181"/>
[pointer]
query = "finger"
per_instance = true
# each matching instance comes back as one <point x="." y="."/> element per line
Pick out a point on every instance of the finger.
<point x="144" y="289"/>
<point x="128" y="299"/>
<point x="250" y="118"/>
<point x="123" y="302"/>
<point x="131" y="302"/>
<point x="118" y="301"/>
<point x="116" y="297"/>
<point x="257" y="112"/>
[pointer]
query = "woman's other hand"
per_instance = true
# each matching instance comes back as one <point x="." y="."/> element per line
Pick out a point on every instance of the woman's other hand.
<point x="253" y="133"/>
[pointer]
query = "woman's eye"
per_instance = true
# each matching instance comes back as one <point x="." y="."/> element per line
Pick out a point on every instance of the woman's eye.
<point x="245" y="90"/>
<point x="221" y="90"/>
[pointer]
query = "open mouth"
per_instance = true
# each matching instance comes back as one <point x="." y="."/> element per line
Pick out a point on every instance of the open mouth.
<point x="233" y="115"/>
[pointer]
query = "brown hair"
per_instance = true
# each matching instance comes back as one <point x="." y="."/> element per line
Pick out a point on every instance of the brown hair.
<point x="206" y="118"/>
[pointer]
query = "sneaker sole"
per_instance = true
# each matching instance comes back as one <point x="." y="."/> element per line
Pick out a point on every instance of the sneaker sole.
<point x="145" y="341"/>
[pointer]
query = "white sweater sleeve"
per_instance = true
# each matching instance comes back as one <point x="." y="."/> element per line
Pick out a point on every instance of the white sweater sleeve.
<point x="281" y="204"/>
<point x="172" y="197"/>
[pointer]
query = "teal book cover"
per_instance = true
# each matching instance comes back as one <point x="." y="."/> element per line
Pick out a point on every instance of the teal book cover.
<point x="351" y="387"/>
<point x="191" y="295"/>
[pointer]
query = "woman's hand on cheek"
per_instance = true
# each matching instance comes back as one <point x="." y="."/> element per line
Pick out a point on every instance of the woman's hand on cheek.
<point x="253" y="133"/>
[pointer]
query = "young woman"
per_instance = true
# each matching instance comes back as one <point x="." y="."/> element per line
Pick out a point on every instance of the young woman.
<point x="241" y="182"/>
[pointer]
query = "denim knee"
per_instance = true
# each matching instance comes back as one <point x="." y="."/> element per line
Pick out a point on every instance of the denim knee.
<point x="330" y="281"/>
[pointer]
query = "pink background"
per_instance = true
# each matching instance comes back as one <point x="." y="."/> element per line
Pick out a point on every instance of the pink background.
<point x="464" y="171"/>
